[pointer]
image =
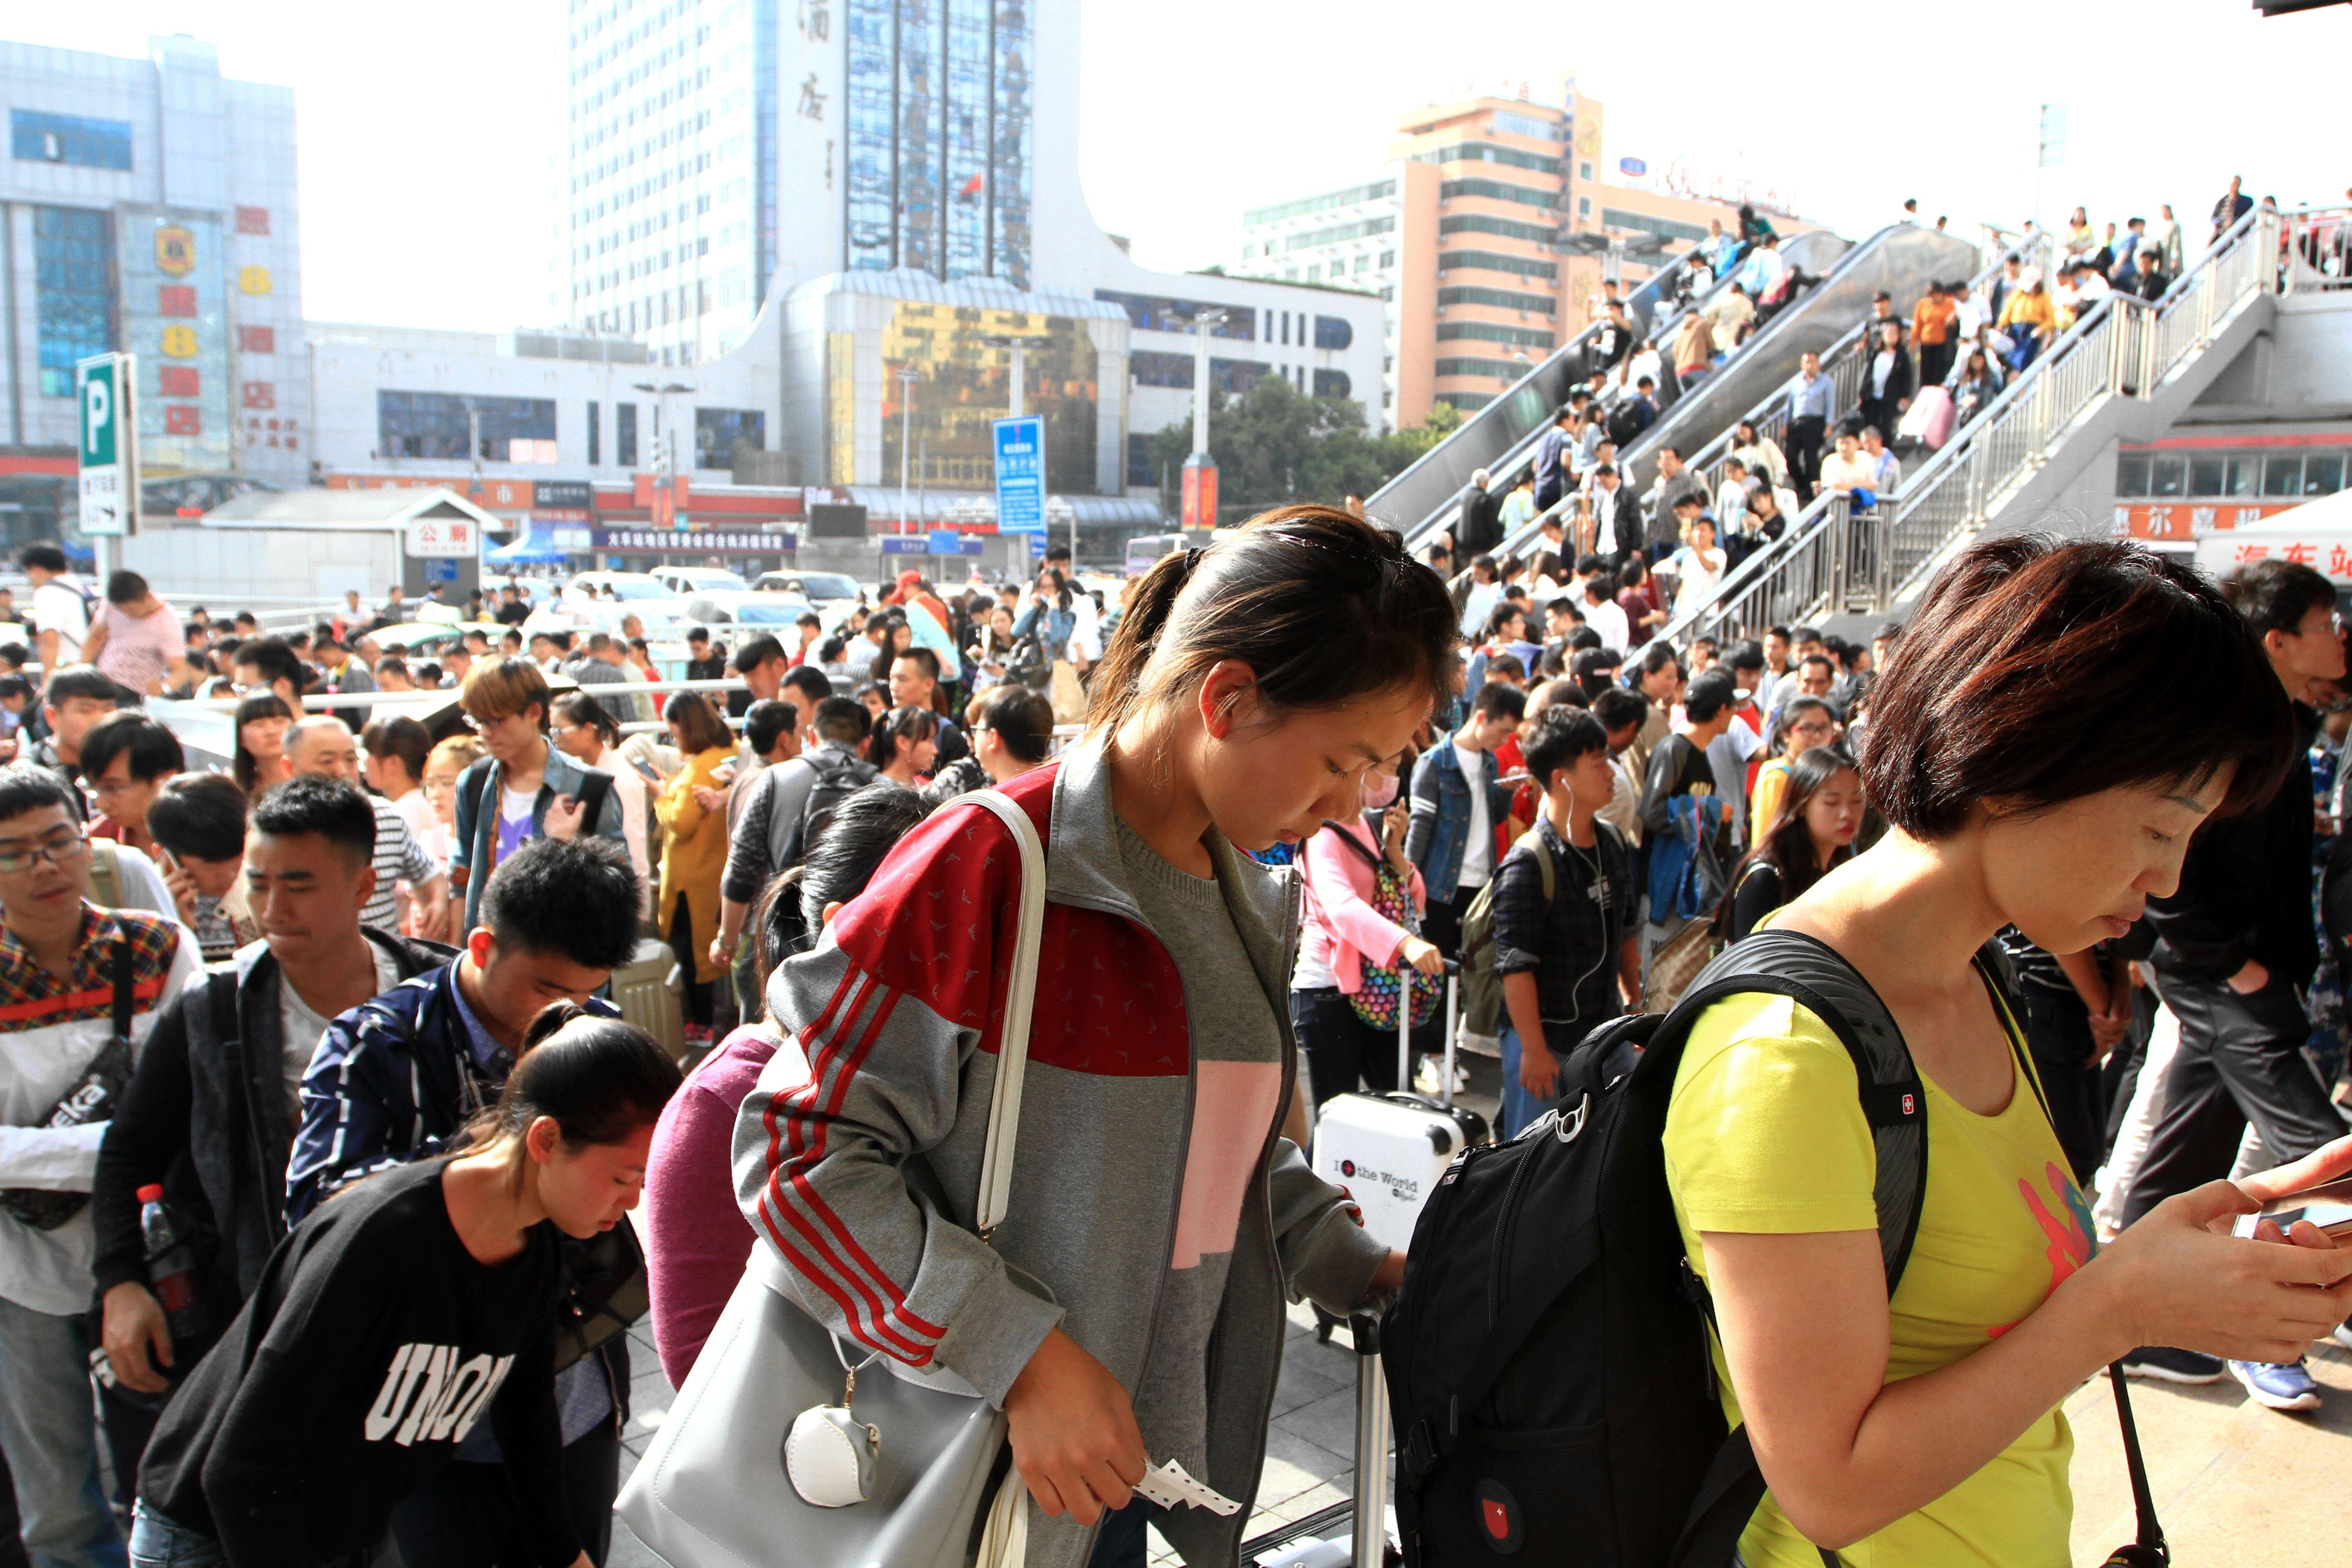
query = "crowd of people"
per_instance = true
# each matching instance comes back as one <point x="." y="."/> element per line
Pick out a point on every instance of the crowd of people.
<point x="323" y="1130"/>
<point x="1926" y="375"/>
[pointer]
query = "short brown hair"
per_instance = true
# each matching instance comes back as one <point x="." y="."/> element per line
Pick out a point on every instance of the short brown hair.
<point x="502" y="687"/>
<point x="700" y="727"/>
<point x="2029" y="670"/>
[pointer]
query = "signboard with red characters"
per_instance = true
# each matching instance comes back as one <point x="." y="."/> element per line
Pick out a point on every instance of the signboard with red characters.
<point x="2319" y="543"/>
<point x="430" y="536"/>
<point x="2189" y="520"/>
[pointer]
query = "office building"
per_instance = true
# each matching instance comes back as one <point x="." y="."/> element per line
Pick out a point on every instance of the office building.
<point x="149" y="206"/>
<point x="1468" y="236"/>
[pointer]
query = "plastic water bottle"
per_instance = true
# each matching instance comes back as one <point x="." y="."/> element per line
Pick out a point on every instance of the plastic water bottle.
<point x="170" y="1269"/>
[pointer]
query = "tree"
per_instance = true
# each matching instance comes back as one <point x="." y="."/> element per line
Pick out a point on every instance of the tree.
<point x="1274" y="446"/>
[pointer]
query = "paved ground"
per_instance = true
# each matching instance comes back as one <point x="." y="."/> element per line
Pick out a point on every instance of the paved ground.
<point x="2237" y="1486"/>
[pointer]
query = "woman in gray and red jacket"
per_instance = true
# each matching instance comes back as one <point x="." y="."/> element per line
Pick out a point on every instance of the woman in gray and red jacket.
<point x="1250" y="688"/>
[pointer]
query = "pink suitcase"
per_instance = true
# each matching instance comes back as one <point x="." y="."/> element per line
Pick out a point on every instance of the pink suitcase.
<point x="1928" y="420"/>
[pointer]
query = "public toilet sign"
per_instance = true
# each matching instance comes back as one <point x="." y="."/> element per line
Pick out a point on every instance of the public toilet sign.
<point x="431" y="537"/>
<point x="109" y="453"/>
<point x="1021" y="475"/>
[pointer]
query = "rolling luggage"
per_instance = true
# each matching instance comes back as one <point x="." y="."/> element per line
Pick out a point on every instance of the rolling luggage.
<point x="1928" y="420"/>
<point x="1388" y="1149"/>
<point x="1358" y="1532"/>
<point x="642" y="992"/>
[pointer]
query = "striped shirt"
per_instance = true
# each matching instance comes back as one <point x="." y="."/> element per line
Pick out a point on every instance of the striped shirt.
<point x="398" y="858"/>
<point x="51" y="1029"/>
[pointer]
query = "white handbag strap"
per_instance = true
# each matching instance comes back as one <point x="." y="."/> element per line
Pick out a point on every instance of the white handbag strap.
<point x="1013" y="1039"/>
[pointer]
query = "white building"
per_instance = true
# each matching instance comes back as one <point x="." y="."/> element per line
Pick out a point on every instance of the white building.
<point x="149" y="206"/>
<point x="1343" y="239"/>
<point x="745" y="152"/>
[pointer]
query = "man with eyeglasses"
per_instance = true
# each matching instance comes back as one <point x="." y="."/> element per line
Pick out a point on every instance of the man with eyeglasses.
<point x="269" y="664"/>
<point x="62" y="961"/>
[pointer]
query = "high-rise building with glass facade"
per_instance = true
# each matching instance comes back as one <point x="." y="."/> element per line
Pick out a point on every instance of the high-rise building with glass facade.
<point x="148" y="205"/>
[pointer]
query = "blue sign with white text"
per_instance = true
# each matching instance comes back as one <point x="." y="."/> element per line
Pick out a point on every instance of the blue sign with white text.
<point x="1021" y="475"/>
<point x="440" y="569"/>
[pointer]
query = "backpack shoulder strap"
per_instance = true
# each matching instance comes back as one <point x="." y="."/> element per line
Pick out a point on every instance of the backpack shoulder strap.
<point x="1352" y="842"/>
<point x="1812" y="974"/>
<point x="1544" y="867"/>
<point x="594" y="785"/>
<point x="125" y="989"/>
<point x="105" y="875"/>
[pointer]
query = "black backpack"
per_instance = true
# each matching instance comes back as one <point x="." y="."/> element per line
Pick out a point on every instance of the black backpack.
<point x="837" y="778"/>
<point x="1553" y="1388"/>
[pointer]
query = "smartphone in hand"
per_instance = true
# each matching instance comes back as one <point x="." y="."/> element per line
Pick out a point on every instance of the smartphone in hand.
<point x="2327" y="1205"/>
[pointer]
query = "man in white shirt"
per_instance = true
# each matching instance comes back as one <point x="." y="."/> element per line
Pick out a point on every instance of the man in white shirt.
<point x="1486" y="592"/>
<point x="60" y="606"/>
<point x="1600" y="610"/>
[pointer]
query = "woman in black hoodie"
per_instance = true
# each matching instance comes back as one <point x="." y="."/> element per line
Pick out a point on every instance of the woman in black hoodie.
<point x="401" y="1313"/>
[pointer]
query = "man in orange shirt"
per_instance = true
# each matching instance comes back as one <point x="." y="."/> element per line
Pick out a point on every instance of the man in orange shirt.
<point x="1931" y="325"/>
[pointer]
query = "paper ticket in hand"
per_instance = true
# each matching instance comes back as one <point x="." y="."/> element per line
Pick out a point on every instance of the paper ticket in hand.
<point x="1169" y="1486"/>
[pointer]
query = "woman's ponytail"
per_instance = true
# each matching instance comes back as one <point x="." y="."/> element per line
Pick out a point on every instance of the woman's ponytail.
<point x="1119" y="678"/>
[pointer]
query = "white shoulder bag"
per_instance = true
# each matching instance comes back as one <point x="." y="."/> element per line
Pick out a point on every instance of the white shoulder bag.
<point x="756" y="1465"/>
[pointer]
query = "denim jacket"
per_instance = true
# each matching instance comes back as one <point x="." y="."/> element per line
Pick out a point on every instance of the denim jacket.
<point x="1440" y="815"/>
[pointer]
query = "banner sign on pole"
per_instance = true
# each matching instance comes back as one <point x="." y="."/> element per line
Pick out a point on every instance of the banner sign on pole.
<point x="1021" y="475"/>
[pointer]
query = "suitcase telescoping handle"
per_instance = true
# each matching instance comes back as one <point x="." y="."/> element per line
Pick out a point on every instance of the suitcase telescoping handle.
<point x="1371" y="1532"/>
<point x="1406" y="975"/>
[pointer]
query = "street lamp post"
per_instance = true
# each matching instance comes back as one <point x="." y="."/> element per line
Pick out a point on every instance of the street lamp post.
<point x="665" y="453"/>
<point x="908" y="376"/>
<point x="1020" y="351"/>
<point x="1200" y="506"/>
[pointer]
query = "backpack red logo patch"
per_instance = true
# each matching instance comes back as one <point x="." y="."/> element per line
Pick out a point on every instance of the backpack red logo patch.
<point x="1499" y="1520"/>
<point x="1910" y="1106"/>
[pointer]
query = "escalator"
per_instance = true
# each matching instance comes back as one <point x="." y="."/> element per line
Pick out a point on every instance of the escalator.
<point x="1501" y="437"/>
<point x="1903" y="260"/>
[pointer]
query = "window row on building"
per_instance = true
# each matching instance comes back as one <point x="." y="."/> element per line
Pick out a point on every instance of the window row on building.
<point x="1151" y="367"/>
<point x="1623" y="217"/>
<point x="2280" y="473"/>
<point x="42" y="138"/>
<point x="455" y="427"/>
<point x="1498" y="261"/>
<point x="1501" y="298"/>
<point x="1377" y="189"/>
<point x="1487" y="152"/>
<point x="1486" y="223"/>
<point x="1493" y="333"/>
<point x="1497" y="191"/>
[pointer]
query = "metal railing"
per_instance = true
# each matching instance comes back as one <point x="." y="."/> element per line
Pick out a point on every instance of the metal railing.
<point x="1431" y="486"/>
<point x="1845" y="362"/>
<point x="2315" y="250"/>
<point x="1837" y="561"/>
<point x="1854" y="262"/>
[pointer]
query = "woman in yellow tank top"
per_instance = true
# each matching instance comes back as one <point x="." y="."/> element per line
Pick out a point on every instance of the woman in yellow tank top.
<point x="2010" y="751"/>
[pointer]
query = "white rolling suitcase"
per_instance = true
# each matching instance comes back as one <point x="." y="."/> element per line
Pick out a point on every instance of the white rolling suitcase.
<point x="1389" y="1150"/>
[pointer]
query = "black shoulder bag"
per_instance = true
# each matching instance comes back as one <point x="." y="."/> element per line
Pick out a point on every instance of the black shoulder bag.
<point x="91" y="1099"/>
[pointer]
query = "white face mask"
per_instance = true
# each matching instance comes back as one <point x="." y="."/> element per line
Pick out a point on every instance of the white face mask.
<point x="1379" y="791"/>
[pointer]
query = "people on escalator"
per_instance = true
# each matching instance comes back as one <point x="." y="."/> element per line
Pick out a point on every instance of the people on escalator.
<point x="1760" y="453"/>
<point x="1932" y="320"/>
<point x="2029" y="317"/>
<point x="1674" y="482"/>
<point x="1617" y="516"/>
<point x="1694" y="351"/>
<point x="1812" y="403"/>
<point x="1551" y="473"/>
<point x="1973" y="385"/>
<point x="1612" y="341"/>
<point x="1888" y="379"/>
<point x="1636" y="413"/>
<point x="1519" y="506"/>
<point x="2152" y="279"/>
<point x="1726" y="313"/>
<point x="1480" y="528"/>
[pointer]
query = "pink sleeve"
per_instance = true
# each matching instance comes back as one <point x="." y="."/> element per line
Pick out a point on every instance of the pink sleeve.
<point x="1340" y="880"/>
<point x="696" y="1240"/>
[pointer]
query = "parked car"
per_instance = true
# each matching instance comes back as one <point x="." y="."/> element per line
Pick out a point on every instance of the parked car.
<point x="689" y="581"/>
<point x="747" y="609"/>
<point x="822" y="589"/>
<point x="627" y="586"/>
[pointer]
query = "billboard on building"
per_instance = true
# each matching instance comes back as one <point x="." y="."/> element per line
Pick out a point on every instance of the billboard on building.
<point x="174" y="318"/>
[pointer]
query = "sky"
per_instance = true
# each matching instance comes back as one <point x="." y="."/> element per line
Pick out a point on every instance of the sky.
<point x="427" y="145"/>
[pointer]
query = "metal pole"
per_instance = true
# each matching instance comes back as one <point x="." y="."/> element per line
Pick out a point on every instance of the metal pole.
<point x="1200" y="383"/>
<point x="908" y="375"/>
<point x="1020" y="364"/>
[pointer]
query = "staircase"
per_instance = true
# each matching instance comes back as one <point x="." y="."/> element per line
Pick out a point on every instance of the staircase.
<point x="1902" y="260"/>
<point x="2127" y="370"/>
